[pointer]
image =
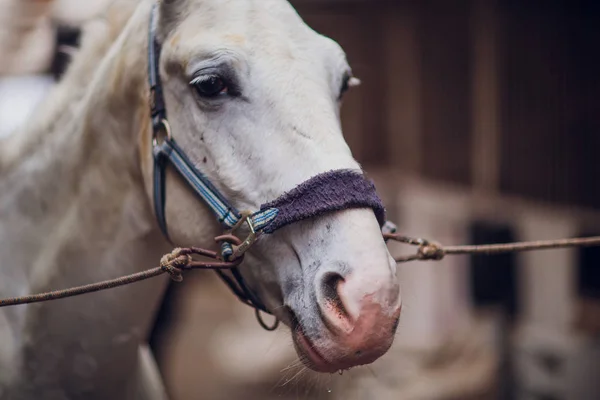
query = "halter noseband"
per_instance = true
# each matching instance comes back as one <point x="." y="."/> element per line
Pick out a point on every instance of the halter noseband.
<point x="331" y="191"/>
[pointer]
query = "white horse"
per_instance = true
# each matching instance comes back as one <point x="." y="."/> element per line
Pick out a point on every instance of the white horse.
<point x="76" y="194"/>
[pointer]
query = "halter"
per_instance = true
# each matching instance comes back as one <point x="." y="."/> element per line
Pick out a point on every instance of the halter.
<point x="331" y="191"/>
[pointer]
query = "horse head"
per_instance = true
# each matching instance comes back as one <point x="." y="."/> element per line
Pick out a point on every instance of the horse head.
<point x="253" y="98"/>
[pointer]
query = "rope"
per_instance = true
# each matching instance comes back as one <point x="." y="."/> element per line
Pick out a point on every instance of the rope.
<point x="173" y="264"/>
<point x="180" y="260"/>
<point x="75" y="291"/>
<point x="430" y="251"/>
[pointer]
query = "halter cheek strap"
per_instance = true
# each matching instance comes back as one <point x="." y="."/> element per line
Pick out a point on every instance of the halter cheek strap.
<point x="167" y="151"/>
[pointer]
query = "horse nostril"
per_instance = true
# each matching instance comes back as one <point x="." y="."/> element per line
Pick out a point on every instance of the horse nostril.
<point x="333" y="302"/>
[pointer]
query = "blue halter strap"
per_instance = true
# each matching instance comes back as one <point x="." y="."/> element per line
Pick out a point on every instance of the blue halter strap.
<point x="167" y="152"/>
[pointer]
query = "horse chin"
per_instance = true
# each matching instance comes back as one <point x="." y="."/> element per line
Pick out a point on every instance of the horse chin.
<point x="315" y="356"/>
<point x="309" y="355"/>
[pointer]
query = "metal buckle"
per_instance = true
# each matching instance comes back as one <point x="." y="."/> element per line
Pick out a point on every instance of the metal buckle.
<point x="164" y="127"/>
<point x="252" y="237"/>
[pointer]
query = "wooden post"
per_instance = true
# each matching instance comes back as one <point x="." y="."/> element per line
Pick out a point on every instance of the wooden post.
<point x="402" y="71"/>
<point x="548" y="277"/>
<point x="434" y="294"/>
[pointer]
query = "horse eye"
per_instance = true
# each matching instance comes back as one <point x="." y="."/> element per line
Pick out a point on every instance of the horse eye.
<point x="210" y="86"/>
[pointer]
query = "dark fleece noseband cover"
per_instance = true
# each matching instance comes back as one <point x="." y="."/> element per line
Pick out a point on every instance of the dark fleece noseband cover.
<point x="330" y="191"/>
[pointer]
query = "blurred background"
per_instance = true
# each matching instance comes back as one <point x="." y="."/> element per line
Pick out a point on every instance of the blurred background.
<point x="479" y="120"/>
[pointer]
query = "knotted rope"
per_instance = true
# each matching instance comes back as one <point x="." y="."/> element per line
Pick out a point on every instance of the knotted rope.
<point x="180" y="259"/>
<point x="174" y="263"/>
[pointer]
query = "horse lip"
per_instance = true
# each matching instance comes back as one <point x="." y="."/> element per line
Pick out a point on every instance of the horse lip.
<point x="305" y="348"/>
<point x="313" y="359"/>
<point x="309" y="355"/>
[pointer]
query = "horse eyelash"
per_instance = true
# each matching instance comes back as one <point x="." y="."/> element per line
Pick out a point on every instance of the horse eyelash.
<point x="227" y="76"/>
<point x="202" y="78"/>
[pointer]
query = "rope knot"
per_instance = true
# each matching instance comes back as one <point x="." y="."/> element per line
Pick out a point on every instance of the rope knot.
<point x="431" y="251"/>
<point x="174" y="262"/>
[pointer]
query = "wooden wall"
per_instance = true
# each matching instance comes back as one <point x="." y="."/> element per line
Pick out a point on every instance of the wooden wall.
<point x="499" y="96"/>
<point x="550" y="111"/>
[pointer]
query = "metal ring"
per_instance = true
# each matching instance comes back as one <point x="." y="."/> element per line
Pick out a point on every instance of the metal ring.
<point x="166" y="128"/>
<point x="262" y="322"/>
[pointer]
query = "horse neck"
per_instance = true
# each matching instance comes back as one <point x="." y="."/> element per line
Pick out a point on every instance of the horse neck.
<point x="74" y="208"/>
